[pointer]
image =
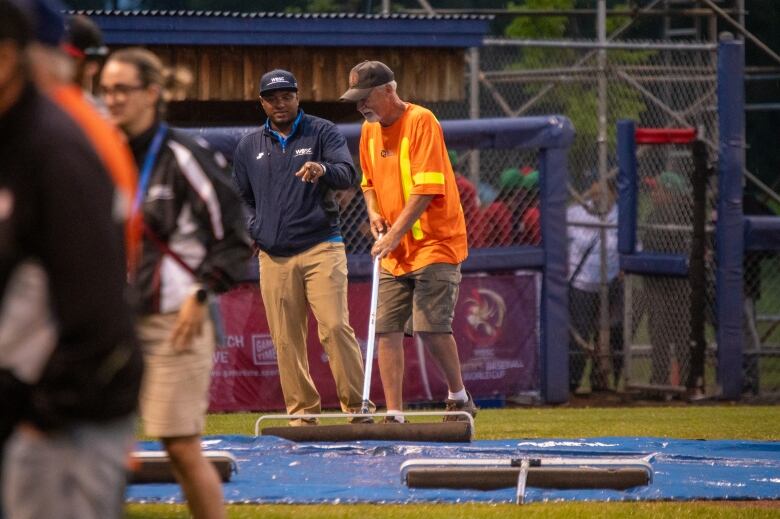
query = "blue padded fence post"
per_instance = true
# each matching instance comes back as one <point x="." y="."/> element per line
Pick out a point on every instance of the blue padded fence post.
<point x="554" y="329"/>
<point x="729" y="234"/>
<point x="627" y="187"/>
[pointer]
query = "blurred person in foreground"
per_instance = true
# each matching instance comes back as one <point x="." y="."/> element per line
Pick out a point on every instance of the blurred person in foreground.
<point x="416" y="216"/>
<point x="56" y="73"/>
<point x="70" y="365"/>
<point x="288" y="173"/>
<point x="193" y="243"/>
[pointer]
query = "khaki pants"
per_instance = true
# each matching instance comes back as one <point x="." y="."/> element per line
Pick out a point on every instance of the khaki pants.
<point x="318" y="277"/>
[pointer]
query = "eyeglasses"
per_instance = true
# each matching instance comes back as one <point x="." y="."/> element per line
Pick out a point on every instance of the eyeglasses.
<point x="119" y="90"/>
<point x="287" y="98"/>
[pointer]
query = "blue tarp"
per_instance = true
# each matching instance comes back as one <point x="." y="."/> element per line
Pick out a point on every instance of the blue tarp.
<point x="271" y="470"/>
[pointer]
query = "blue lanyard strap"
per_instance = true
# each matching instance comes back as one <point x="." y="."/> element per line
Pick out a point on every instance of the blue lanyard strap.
<point x="146" y="171"/>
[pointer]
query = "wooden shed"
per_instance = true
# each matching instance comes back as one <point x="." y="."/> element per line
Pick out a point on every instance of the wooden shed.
<point x="226" y="52"/>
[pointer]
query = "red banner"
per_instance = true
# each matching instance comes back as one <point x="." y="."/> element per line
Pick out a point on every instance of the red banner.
<point x="496" y="327"/>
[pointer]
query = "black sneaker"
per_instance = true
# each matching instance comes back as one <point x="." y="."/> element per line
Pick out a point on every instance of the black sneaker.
<point x="456" y="405"/>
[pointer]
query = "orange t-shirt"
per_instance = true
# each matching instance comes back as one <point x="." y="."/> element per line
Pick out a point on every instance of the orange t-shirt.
<point x="408" y="158"/>
<point x="113" y="152"/>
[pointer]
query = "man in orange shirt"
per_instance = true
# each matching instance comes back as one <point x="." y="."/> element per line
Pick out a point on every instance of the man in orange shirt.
<point x="412" y="201"/>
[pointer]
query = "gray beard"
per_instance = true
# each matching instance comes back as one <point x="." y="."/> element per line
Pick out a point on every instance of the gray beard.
<point x="371" y="117"/>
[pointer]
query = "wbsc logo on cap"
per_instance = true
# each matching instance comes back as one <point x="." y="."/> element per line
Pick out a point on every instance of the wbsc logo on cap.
<point x="277" y="80"/>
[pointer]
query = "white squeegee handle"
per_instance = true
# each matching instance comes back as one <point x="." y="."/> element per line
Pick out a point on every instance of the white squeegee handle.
<point x="370" y="339"/>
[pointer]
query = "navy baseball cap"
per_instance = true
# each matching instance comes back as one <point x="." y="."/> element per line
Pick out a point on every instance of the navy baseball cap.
<point x="278" y="80"/>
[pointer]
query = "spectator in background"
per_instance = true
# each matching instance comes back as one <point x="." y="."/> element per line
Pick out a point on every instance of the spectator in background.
<point x="487" y="193"/>
<point x="522" y="199"/>
<point x="70" y="365"/>
<point x="193" y="242"/>
<point x="84" y="44"/>
<point x="585" y="285"/>
<point x="668" y="304"/>
<point x="493" y="227"/>
<point x="514" y="217"/>
<point x="469" y="199"/>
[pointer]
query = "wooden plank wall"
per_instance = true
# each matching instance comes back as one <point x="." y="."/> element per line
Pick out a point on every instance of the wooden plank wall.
<point x="233" y="73"/>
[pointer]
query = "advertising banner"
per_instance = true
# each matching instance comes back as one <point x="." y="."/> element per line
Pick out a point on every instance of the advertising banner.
<point x="496" y="329"/>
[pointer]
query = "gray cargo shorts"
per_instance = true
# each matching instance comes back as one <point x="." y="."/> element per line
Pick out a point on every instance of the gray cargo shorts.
<point x="420" y="301"/>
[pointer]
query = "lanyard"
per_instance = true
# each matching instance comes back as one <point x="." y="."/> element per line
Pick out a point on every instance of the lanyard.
<point x="146" y="171"/>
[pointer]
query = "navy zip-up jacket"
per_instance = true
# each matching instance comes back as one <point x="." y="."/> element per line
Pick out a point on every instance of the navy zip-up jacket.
<point x="289" y="216"/>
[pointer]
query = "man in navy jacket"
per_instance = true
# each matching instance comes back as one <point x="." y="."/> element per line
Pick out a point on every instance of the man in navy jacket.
<point x="287" y="173"/>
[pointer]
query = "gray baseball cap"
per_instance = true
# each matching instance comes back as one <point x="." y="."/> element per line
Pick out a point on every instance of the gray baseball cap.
<point x="365" y="76"/>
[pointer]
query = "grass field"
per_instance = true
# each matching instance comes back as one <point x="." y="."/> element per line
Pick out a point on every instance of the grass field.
<point x="693" y="422"/>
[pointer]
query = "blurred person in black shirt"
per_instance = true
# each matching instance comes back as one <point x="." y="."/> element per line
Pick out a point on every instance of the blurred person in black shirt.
<point x="70" y="365"/>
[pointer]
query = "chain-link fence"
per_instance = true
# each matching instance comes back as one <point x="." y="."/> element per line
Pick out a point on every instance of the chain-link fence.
<point x="657" y="86"/>
<point x="761" y="366"/>
<point x="648" y="83"/>
<point x="762" y="324"/>
<point x="658" y="309"/>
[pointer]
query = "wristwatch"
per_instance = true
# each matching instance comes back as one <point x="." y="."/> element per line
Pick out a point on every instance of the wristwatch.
<point x="201" y="295"/>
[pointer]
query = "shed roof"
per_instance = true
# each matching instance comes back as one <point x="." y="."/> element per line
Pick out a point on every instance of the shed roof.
<point x="164" y="27"/>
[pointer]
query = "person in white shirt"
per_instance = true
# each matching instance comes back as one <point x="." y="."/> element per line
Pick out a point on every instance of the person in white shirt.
<point x="584" y="238"/>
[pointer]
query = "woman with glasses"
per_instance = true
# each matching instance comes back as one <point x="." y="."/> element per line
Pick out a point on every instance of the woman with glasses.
<point x="190" y="236"/>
